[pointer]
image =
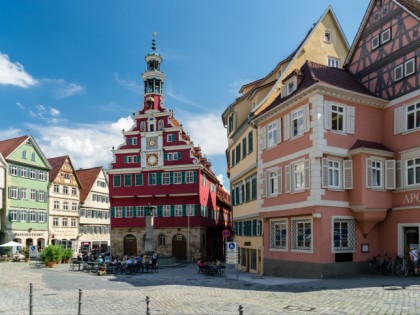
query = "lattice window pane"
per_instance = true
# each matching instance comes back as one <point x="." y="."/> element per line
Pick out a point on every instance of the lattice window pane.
<point x="278" y="234"/>
<point x="301" y="234"/>
<point x="344" y="238"/>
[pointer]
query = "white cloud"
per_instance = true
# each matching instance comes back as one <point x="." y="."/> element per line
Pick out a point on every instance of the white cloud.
<point x="10" y="133"/>
<point x="61" y="89"/>
<point x="14" y="73"/>
<point x="54" y="112"/>
<point x="206" y="130"/>
<point x="88" y="145"/>
<point x="20" y="105"/>
<point x="129" y="85"/>
<point x="235" y="86"/>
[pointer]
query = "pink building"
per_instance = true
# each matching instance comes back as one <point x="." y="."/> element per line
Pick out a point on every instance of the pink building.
<point x="159" y="169"/>
<point x="339" y="153"/>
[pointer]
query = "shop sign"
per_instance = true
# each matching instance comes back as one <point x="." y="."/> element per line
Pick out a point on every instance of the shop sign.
<point x="411" y="198"/>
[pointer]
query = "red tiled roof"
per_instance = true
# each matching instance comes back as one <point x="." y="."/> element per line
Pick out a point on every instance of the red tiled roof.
<point x="369" y="145"/>
<point x="56" y="165"/>
<point x="313" y="73"/>
<point x="87" y="178"/>
<point x="411" y="5"/>
<point x="9" y="145"/>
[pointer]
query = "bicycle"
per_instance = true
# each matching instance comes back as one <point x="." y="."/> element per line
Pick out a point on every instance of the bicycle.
<point x="404" y="268"/>
<point x="376" y="264"/>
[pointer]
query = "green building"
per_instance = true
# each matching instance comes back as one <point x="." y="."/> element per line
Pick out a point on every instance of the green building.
<point x="24" y="213"/>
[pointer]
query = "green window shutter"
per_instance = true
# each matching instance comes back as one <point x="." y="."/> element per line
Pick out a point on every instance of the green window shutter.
<point x="195" y="176"/>
<point x="149" y="180"/>
<point x="46" y="216"/>
<point x="179" y="155"/>
<point x="93" y="213"/>
<point x="165" y="156"/>
<point x="184" y="210"/>
<point x="171" y="177"/>
<point x="195" y="209"/>
<point x="172" y="210"/>
<point x="125" y="159"/>
<point x="159" y="211"/>
<point x="159" y="178"/>
<point x="117" y="180"/>
<point x="123" y="212"/>
<point x="183" y="177"/>
<point x="139" y="179"/>
<point x="113" y="212"/>
<point x="250" y="142"/>
<point x="127" y="180"/>
<point x="36" y="216"/>
<point x="28" y="219"/>
<point x="254" y="227"/>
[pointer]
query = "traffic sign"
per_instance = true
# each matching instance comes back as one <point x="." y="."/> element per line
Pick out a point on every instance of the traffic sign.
<point x="231" y="247"/>
<point x="226" y="233"/>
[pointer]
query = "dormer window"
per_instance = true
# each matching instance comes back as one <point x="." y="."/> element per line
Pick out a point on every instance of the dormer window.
<point x="333" y="62"/>
<point x="143" y="126"/>
<point x="327" y="37"/>
<point x="289" y="86"/>
<point x="230" y="123"/>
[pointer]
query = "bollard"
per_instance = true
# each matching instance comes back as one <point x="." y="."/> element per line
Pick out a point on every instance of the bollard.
<point x="147" y="305"/>
<point x="30" y="298"/>
<point x="241" y="310"/>
<point x="80" y="303"/>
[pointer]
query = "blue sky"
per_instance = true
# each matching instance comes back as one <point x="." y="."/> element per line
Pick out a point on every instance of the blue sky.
<point x="70" y="71"/>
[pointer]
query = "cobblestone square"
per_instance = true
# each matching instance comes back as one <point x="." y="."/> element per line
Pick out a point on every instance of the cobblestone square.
<point x="181" y="290"/>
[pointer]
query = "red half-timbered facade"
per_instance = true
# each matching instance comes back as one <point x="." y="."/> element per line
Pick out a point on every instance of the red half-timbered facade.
<point x="159" y="170"/>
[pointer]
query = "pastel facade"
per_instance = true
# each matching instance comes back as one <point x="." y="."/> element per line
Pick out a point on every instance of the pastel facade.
<point x="64" y="197"/>
<point x="24" y="217"/>
<point x="339" y="154"/>
<point x="324" y="43"/>
<point x="95" y="217"/>
<point x="158" y="171"/>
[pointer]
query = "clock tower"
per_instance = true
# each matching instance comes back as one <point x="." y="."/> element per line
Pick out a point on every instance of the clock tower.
<point x="159" y="170"/>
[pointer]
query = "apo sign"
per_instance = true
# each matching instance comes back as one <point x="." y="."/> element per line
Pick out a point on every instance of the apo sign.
<point x="411" y="198"/>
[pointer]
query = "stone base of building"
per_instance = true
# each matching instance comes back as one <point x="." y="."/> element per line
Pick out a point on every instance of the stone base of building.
<point x="298" y="269"/>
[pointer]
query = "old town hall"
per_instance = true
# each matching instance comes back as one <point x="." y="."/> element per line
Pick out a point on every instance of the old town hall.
<point x="158" y="171"/>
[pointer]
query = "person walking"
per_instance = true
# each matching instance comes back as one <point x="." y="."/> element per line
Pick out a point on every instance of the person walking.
<point x="414" y="256"/>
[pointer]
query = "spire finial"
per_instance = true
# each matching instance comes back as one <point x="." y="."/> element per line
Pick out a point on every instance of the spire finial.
<point x="154" y="41"/>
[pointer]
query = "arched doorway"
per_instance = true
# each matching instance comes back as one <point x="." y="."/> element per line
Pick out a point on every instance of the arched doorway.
<point x="179" y="246"/>
<point x="130" y="245"/>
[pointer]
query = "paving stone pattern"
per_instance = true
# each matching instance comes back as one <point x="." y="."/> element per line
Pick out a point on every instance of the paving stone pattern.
<point x="180" y="290"/>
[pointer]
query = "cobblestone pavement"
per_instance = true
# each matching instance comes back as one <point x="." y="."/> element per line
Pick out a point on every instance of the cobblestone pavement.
<point x="181" y="290"/>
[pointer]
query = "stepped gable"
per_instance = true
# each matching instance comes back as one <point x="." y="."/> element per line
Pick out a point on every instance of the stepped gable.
<point x="311" y="73"/>
<point x="412" y="5"/>
<point x="369" y="145"/>
<point x="9" y="145"/>
<point x="87" y="178"/>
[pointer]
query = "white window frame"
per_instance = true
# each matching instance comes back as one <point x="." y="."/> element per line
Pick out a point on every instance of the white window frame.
<point x="178" y="210"/>
<point x="57" y="188"/>
<point x="166" y="178"/>
<point x="272" y="134"/>
<point x="73" y="222"/>
<point x="189" y="177"/>
<point x="375" y="170"/>
<point x="55" y="222"/>
<point x="297" y="118"/>
<point x="296" y="225"/>
<point x="278" y="241"/>
<point x="410" y="62"/>
<point x="13" y="170"/>
<point x="166" y="210"/>
<point x="327" y="38"/>
<point x="272" y="183"/>
<point x="399" y="72"/>
<point x="375" y="42"/>
<point x="140" y="211"/>
<point x="56" y="205"/>
<point x="298" y="179"/>
<point x="334" y="174"/>
<point x="190" y="210"/>
<point x="64" y="222"/>
<point x="333" y="62"/>
<point x="351" y="234"/>
<point x="177" y="178"/>
<point x="416" y="164"/>
<point x="118" y="212"/>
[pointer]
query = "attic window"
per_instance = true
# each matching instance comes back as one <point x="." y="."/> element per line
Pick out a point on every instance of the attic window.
<point x="290" y="87"/>
<point x="327" y="36"/>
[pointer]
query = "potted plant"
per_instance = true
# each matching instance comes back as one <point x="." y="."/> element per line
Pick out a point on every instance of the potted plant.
<point x="25" y="252"/>
<point x="51" y="254"/>
<point x="67" y="255"/>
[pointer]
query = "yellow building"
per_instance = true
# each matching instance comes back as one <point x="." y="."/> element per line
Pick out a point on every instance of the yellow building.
<point x="325" y="43"/>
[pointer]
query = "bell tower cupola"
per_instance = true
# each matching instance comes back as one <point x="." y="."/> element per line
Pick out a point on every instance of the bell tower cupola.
<point x="153" y="80"/>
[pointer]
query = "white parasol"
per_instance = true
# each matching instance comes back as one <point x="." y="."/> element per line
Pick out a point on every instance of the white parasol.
<point x="11" y="244"/>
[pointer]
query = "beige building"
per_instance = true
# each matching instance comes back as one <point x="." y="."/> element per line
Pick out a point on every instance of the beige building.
<point x="64" y="194"/>
<point x="3" y="166"/>
<point x="325" y="43"/>
<point x="95" y="221"/>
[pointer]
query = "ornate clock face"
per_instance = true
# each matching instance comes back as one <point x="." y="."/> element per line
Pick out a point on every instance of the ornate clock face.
<point x="152" y="143"/>
<point x="152" y="159"/>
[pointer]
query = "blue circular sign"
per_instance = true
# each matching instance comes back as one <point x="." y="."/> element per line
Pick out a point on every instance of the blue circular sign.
<point x="232" y="245"/>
